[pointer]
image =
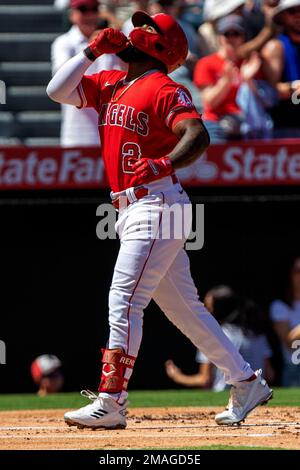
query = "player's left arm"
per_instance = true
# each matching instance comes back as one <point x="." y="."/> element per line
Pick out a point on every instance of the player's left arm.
<point x="193" y="141"/>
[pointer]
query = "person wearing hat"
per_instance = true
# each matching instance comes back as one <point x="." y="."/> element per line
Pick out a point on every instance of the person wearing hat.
<point x="219" y="77"/>
<point x="213" y="10"/>
<point x="258" y="23"/>
<point x="79" y="127"/>
<point x="47" y="374"/>
<point x="282" y="55"/>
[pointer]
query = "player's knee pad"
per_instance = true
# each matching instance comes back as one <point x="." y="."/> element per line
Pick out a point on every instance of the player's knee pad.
<point x="115" y="362"/>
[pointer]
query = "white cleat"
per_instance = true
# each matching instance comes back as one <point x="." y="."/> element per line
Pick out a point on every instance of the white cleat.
<point x="102" y="413"/>
<point x="244" y="397"/>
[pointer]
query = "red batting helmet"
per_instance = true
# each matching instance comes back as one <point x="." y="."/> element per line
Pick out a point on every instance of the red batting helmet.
<point x="43" y="366"/>
<point x="168" y="46"/>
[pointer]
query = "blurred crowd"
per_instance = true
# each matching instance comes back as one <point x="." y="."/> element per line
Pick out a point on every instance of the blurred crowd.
<point x="268" y="342"/>
<point x="243" y="66"/>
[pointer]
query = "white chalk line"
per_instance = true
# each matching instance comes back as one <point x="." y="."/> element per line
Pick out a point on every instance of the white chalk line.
<point x="30" y="428"/>
<point x="137" y="428"/>
<point x="113" y="436"/>
<point x="218" y="426"/>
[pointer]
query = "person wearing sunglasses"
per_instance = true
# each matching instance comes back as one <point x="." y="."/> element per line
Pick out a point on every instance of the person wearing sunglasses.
<point x="79" y="127"/>
<point x="282" y="55"/>
<point x="258" y="23"/>
<point x="219" y="78"/>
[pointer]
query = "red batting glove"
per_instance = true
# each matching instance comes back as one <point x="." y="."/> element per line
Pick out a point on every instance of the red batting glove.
<point x="108" y="41"/>
<point x="147" y="169"/>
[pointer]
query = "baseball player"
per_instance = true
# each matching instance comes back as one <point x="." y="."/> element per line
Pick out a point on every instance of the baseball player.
<point x="148" y="128"/>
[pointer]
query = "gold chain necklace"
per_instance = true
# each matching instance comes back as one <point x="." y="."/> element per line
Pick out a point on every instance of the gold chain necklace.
<point x="115" y="99"/>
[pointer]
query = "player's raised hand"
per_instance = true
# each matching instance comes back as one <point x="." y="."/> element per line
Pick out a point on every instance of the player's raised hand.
<point x="148" y="169"/>
<point x="108" y="41"/>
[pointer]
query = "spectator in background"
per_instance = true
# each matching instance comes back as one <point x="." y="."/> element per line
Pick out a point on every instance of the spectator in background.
<point x="80" y="126"/>
<point x="283" y="57"/>
<point x="214" y="10"/>
<point x="242" y="322"/>
<point x="47" y="374"/>
<point x="285" y="315"/>
<point x="233" y="92"/>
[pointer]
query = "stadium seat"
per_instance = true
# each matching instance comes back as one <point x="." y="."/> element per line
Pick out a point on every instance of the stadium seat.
<point x="29" y="98"/>
<point x="25" y="2"/>
<point x="28" y="28"/>
<point x="25" y="73"/>
<point x="37" y="124"/>
<point x="29" y="2"/>
<point x="6" y="124"/>
<point x="28" y="18"/>
<point x="26" y="46"/>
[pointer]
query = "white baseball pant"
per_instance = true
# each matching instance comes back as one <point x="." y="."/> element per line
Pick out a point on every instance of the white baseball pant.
<point x="158" y="268"/>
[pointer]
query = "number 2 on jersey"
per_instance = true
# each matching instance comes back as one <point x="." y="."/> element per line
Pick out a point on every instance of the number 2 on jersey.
<point x="131" y="152"/>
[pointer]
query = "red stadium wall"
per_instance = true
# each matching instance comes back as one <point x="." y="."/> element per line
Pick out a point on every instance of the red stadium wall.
<point x="261" y="163"/>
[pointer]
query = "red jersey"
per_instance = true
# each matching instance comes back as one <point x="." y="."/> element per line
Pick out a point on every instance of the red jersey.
<point x="135" y="118"/>
<point x="207" y="73"/>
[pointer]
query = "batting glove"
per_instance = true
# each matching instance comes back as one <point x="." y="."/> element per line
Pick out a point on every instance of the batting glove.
<point x="147" y="169"/>
<point x="108" y="41"/>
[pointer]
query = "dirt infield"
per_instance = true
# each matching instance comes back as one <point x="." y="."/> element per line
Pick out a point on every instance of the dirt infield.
<point x="151" y="428"/>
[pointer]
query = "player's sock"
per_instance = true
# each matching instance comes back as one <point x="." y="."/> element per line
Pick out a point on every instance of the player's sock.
<point x="118" y="397"/>
<point x="116" y="370"/>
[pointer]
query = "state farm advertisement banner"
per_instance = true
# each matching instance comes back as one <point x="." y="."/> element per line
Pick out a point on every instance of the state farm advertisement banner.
<point x="259" y="163"/>
<point x="236" y="164"/>
<point x="51" y="168"/>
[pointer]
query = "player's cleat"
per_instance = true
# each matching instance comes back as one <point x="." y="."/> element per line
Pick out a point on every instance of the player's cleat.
<point x="244" y="397"/>
<point x="103" y="413"/>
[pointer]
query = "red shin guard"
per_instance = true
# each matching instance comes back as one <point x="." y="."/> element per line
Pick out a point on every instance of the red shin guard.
<point x="115" y="362"/>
